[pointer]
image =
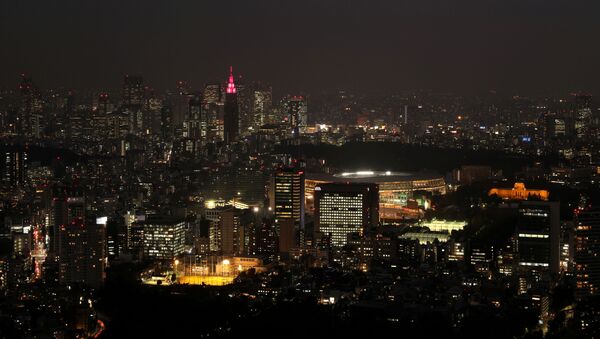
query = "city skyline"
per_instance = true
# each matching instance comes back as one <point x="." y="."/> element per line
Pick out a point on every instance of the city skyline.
<point x="332" y="168"/>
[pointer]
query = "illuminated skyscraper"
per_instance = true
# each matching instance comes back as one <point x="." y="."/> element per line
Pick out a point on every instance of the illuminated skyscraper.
<point x="31" y="108"/>
<point x="295" y="108"/>
<point x="133" y="92"/>
<point x="212" y="106"/>
<point x="587" y="247"/>
<point x="245" y="98"/>
<point x="99" y="117"/>
<point x="583" y="115"/>
<point x="345" y="208"/>
<point x="14" y="171"/>
<point x="231" y="119"/>
<point x="287" y="200"/>
<point x="68" y="205"/>
<point x="538" y="236"/>
<point x="261" y="107"/>
<point x="194" y="126"/>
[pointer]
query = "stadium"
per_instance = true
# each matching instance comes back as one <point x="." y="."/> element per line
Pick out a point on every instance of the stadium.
<point x="396" y="189"/>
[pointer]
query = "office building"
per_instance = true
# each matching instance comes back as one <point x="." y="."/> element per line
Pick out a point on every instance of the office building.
<point x="344" y="208"/>
<point x="263" y="100"/>
<point x="14" y="171"/>
<point x="68" y="205"/>
<point x="586" y="251"/>
<point x="82" y="252"/>
<point x="133" y="92"/>
<point x="538" y="236"/>
<point x="231" y="232"/>
<point x="163" y="237"/>
<point x="287" y="195"/>
<point x="295" y="108"/>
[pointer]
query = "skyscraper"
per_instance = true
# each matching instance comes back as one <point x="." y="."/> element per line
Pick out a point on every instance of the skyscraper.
<point x="583" y="115"/>
<point x="295" y="108"/>
<point x="31" y="108"/>
<point x="212" y="106"/>
<point x="68" y="205"/>
<point x="232" y="232"/>
<point x="133" y="101"/>
<point x="287" y="204"/>
<point x="14" y="171"/>
<point x="287" y="195"/>
<point x="261" y="107"/>
<point x="538" y="236"/>
<point x="193" y="123"/>
<point x="133" y="92"/>
<point x="82" y="252"/>
<point x="345" y="208"/>
<point x="587" y="247"/>
<point x="231" y="123"/>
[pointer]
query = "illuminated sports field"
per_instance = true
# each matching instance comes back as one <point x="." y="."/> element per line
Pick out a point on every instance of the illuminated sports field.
<point x="206" y="280"/>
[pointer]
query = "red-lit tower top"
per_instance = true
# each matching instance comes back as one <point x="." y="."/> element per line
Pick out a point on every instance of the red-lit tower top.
<point x="230" y="84"/>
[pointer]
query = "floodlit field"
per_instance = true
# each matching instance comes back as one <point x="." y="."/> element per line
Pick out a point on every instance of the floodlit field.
<point x="206" y="280"/>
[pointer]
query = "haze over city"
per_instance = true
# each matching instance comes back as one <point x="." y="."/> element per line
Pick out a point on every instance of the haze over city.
<point x="465" y="46"/>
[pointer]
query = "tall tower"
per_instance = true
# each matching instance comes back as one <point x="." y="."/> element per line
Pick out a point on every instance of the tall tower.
<point x="82" y="252"/>
<point x="231" y="123"/>
<point x="587" y="246"/>
<point x="295" y="107"/>
<point x="287" y="204"/>
<point x="261" y="107"/>
<point x="583" y="115"/>
<point x="537" y="242"/>
<point x="133" y="92"/>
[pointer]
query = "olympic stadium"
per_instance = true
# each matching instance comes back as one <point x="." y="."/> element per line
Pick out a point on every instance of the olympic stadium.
<point x="396" y="189"/>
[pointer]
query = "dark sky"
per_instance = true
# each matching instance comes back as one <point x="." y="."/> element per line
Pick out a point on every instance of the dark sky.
<point x="457" y="45"/>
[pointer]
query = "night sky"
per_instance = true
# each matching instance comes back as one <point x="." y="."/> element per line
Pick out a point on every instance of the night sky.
<point x="455" y="45"/>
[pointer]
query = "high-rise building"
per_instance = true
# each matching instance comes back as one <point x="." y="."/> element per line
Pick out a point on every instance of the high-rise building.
<point x="231" y="119"/>
<point x="99" y="121"/>
<point x="164" y="237"/>
<point x="287" y="196"/>
<point x="295" y="107"/>
<point x="538" y="236"/>
<point x="261" y="107"/>
<point x="583" y="115"/>
<point x="345" y="208"/>
<point x="82" y="252"/>
<point x="67" y="205"/>
<point x="245" y="98"/>
<point x="14" y="171"/>
<point x="586" y="249"/>
<point x="232" y="232"/>
<point x="133" y="101"/>
<point x="133" y="92"/>
<point x="263" y="239"/>
<point x="194" y="127"/>
<point x="31" y="108"/>
<point x="212" y="106"/>
<point x="212" y="94"/>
